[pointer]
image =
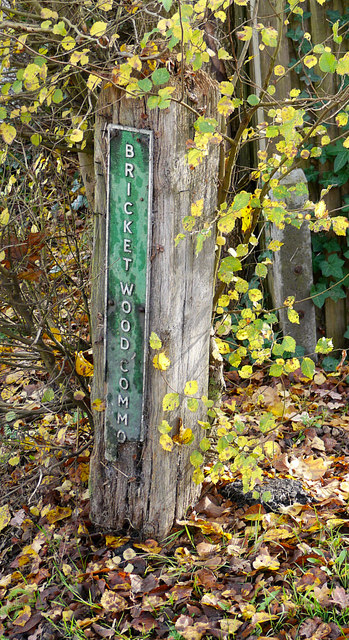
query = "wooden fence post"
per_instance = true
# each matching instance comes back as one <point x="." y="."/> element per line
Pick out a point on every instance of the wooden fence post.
<point x="135" y="483"/>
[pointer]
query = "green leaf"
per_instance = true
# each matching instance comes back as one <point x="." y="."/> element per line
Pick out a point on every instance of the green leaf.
<point x="324" y="345"/>
<point x="205" y="444"/>
<point x="228" y="267"/>
<point x="253" y="100"/>
<point x="196" y="458"/>
<point x="145" y="84"/>
<point x="160" y="76"/>
<point x="261" y="270"/>
<point x="289" y="344"/>
<point x="308" y="368"/>
<point x="170" y="401"/>
<point x="328" y="62"/>
<point x="192" y="404"/>
<point x="153" y="101"/>
<point x="48" y="395"/>
<point x="167" y="4"/>
<point x="206" y="125"/>
<point x="276" y="370"/>
<point x="57" y="96"/>
<point x="241" y="201"/>
<point x="36" y="139"/>
<point x="332" y="266"/>
<point x="3" y="113"/>
<point x="164" y="427"/>
<point x="17" y="86"/>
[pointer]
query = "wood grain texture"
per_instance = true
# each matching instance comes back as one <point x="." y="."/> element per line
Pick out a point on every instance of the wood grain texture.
<point x="146" y="489"/>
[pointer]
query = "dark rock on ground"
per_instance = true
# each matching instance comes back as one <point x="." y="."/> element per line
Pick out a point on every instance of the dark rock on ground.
<point x="283" y="493"/>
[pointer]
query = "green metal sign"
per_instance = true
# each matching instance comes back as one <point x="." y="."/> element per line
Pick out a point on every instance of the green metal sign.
<point x="128" y="257"/>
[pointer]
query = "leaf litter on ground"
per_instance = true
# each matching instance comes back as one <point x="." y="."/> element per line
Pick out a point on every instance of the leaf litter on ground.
<point x="228" y="570"/>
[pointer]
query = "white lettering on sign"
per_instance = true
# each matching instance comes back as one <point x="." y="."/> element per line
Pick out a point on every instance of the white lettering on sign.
<point x="126" y="205"/>
<point x="123" y="401"/>
<point x="127" y="263"/>
<point x="129" y="150"/>
<point x="124" y="343"/>
<point x="127" y="245"/>
<point x="127" y="226"/>
<point x="129" y="169"/>
<point x="123" y="419"/>
<point x="127" y="289"/>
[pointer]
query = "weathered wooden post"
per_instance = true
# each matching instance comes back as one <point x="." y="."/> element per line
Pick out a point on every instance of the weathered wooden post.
<point x="150" y="285"/>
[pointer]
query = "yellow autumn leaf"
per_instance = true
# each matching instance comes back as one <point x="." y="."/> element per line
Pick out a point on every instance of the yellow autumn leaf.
<point x="191" y="388"/>
<point x="184" y="436"/>
<point x="320" y="209"/>
<point x="98" y="405"/>
<point x="346" y="143"/>
<point x="4" y="217"/>
<point x="265" y="561"/>
<point x="93" y="81"/>
<point x="154" y="341"/>
<point x="105" y="5"/>
<point x="83" y="367"/>
<point x="340" y="225"/>
<point x="5" y="516"/>
<point x="341" y="120"/>
<point x="166" y="442"/>
<point x="76" y="135"/>
<point x="310" y="61"/>
<point x="161" y="361"/>
<point x="23" y="616"/>
<point x="293" y="316"/>
<point x="98" y="28"/>
<point x="68" y="43"/>
<point x="58" y="513"/>
<point x="47" y="13"/>
<point x="197" y="208"/>
<point x="8" y="132"/>
<point x="14" y="461"/>
<point x="111" y="601"/>
<point x="279" y="70"/>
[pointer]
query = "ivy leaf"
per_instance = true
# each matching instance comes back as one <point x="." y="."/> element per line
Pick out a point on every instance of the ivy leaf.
<point x="332" y="266"/>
